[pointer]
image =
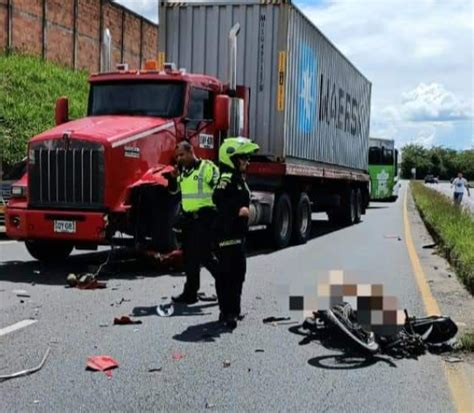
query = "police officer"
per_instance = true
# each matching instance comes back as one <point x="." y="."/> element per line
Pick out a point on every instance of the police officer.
<point x="196" y="180"/>
<point x="232" y="199"/>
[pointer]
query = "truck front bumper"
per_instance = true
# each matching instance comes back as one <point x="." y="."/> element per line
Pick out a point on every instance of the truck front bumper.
<point x="28" y="224"/>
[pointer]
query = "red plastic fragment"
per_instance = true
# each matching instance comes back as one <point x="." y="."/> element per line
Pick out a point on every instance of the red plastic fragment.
<point x="124" y="320"/>
<point x="91" y="285"/>
<point x="102" y="363"/>
<point x="177" y="356"/>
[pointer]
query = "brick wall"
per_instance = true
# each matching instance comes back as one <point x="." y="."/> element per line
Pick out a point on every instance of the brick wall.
<point x="68" y="31"/>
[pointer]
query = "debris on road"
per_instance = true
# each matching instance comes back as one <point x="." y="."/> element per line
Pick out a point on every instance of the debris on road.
<point x="453" y="360"/>
<point x="204" y="297"/>
<point x="102" y="363"/>
<point x="177" y="356"/>
<point x="226" y="363"/>
<point x="258" y="297"/>
<point x="85" y="282"/>
<point x="123" y="300"/>
<point x="165" y="310"/>
<point x="21" y="293"/>
<point x="125" y="320"/>
<point x="37" y="272"/>
<point x="275" y="319"/>
<point x="103" y="325"/>
<point x="429" y="246"/>
<point x="27" y="371"/>
<point x="397" y="237"/>
<point x="210" y="405"/>
<point x="154" y="369"/>
<point x="259" y="350"/>
<point x="71" y="279"/>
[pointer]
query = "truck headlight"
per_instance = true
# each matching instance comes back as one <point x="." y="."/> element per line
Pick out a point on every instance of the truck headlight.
<point x="18" y="191"/>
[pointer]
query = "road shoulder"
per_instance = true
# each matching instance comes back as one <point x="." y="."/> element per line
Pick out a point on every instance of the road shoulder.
<point x="449" y="293"/>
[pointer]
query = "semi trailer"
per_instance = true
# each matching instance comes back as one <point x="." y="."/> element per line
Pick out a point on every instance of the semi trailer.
<point x="236" y="68"/>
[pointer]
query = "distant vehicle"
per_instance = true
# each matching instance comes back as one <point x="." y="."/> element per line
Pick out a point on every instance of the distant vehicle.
<point x="431" y="179"/>
<point x="13" y="175"/>
<point x="383" y="170"/>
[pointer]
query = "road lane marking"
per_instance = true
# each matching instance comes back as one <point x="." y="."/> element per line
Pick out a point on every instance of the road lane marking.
<point x="17" y="326"/>
<point x="457" y="381"/>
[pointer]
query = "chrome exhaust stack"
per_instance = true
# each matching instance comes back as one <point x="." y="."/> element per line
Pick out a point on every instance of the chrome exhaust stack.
<point x="106" y="52"/>
<point x="236" y="104"/>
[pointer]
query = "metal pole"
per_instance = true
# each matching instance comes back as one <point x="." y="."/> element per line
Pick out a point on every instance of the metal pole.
<point x="122" y="37"/>
<point x="10" y="25"/>
<point x="44" y="28"/>
<point x="74" y="33"/>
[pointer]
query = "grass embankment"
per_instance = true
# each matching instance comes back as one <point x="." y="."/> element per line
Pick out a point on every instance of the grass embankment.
<point x="452" y="228"/>
<point x="29" y="88"/>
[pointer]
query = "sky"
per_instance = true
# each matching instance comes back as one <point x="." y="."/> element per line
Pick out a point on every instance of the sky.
<point x="418" y="55"/>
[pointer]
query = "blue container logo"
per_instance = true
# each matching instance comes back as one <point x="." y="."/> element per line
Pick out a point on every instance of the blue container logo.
<point x="307" y="90"/>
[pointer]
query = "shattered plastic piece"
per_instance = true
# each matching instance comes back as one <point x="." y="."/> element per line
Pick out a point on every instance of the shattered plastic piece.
<point x="204" y="297"/>
<point x="102" y="363"/>
<point x="258" y="297"/>
<point x="275" y="319"/>
<point x="154" y="370"/>
<point x="226" y="363"/>
<point x="71" y="279"/>
<point x="429" y="246"/>
<point x="453" y="360"/>
<point x="125" y="320"/>
<point x="28" y="371"/>
<point x="259" y="350"/>
<point x="90" y="284"/>
<point x="103" y="325"/>
<point x="210" y="405"/>
<point x="21" y="293"/>
<point x="37" y="272"/>
<point x="165" y="310"/>
<point x="177" y="356"/>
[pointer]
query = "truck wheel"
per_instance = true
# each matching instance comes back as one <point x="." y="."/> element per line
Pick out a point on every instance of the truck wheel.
<point x="49" y="251"/>
<point x="282" y="222"/>
<point x="348" y="208"/>
<point x="302" y="220"/>
<point x="358" y="205"/>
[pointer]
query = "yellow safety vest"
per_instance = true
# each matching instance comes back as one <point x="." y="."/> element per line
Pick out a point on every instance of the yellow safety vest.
<point x="197" y="187"/>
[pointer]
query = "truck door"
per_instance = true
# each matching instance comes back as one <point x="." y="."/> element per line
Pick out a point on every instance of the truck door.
<point x="200" y="123"/>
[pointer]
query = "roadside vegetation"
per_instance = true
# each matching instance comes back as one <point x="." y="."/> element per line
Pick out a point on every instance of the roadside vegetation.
<point x="442" y="162"/>
<point x="29" y="88"/>
<point x="452" y="228"/>
<point x="466" y="342"/>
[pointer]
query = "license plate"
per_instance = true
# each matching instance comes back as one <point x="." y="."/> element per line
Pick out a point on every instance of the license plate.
<point x="65" y="226"/>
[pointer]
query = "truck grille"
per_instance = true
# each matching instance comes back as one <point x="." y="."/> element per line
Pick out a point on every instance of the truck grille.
<point x="66" y="174"/>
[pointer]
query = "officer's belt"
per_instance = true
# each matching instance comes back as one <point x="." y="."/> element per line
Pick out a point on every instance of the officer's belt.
<point x="229" y="243"/>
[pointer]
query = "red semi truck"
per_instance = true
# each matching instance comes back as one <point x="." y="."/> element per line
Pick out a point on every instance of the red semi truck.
<point x="299" y="98"/>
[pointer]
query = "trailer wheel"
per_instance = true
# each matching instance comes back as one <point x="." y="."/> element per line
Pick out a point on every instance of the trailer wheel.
<point x="348" y="208"/>
<point x="358" y="205"/>
<point x="302" y="220"/>
<point x="49" y="251"/>
<point x="281" y="227"/>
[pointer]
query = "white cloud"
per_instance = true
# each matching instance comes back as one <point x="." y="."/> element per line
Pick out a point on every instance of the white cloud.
<point x="424" y="47"/>
<point x="432" y="102"/>
<point x="146" y="8"/>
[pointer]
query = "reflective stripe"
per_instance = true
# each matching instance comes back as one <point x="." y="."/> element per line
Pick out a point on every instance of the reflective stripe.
<point x="230" y="243"/>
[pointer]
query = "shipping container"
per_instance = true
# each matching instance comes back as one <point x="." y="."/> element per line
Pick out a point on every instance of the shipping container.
<point x="308" y="103"/>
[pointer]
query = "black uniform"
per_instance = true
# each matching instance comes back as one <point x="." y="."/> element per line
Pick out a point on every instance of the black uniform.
<point x="230" y="195"/>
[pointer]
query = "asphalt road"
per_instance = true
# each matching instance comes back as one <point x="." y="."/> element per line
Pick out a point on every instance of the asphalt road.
<point x="289" y="375"/>
<point x="445" y="188"/>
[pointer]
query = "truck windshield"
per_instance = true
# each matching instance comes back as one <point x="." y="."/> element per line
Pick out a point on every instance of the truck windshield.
<point x="144" y="98"/>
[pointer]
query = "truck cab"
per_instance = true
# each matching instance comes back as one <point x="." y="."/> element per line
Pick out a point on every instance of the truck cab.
<point x="91" y="177"/>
